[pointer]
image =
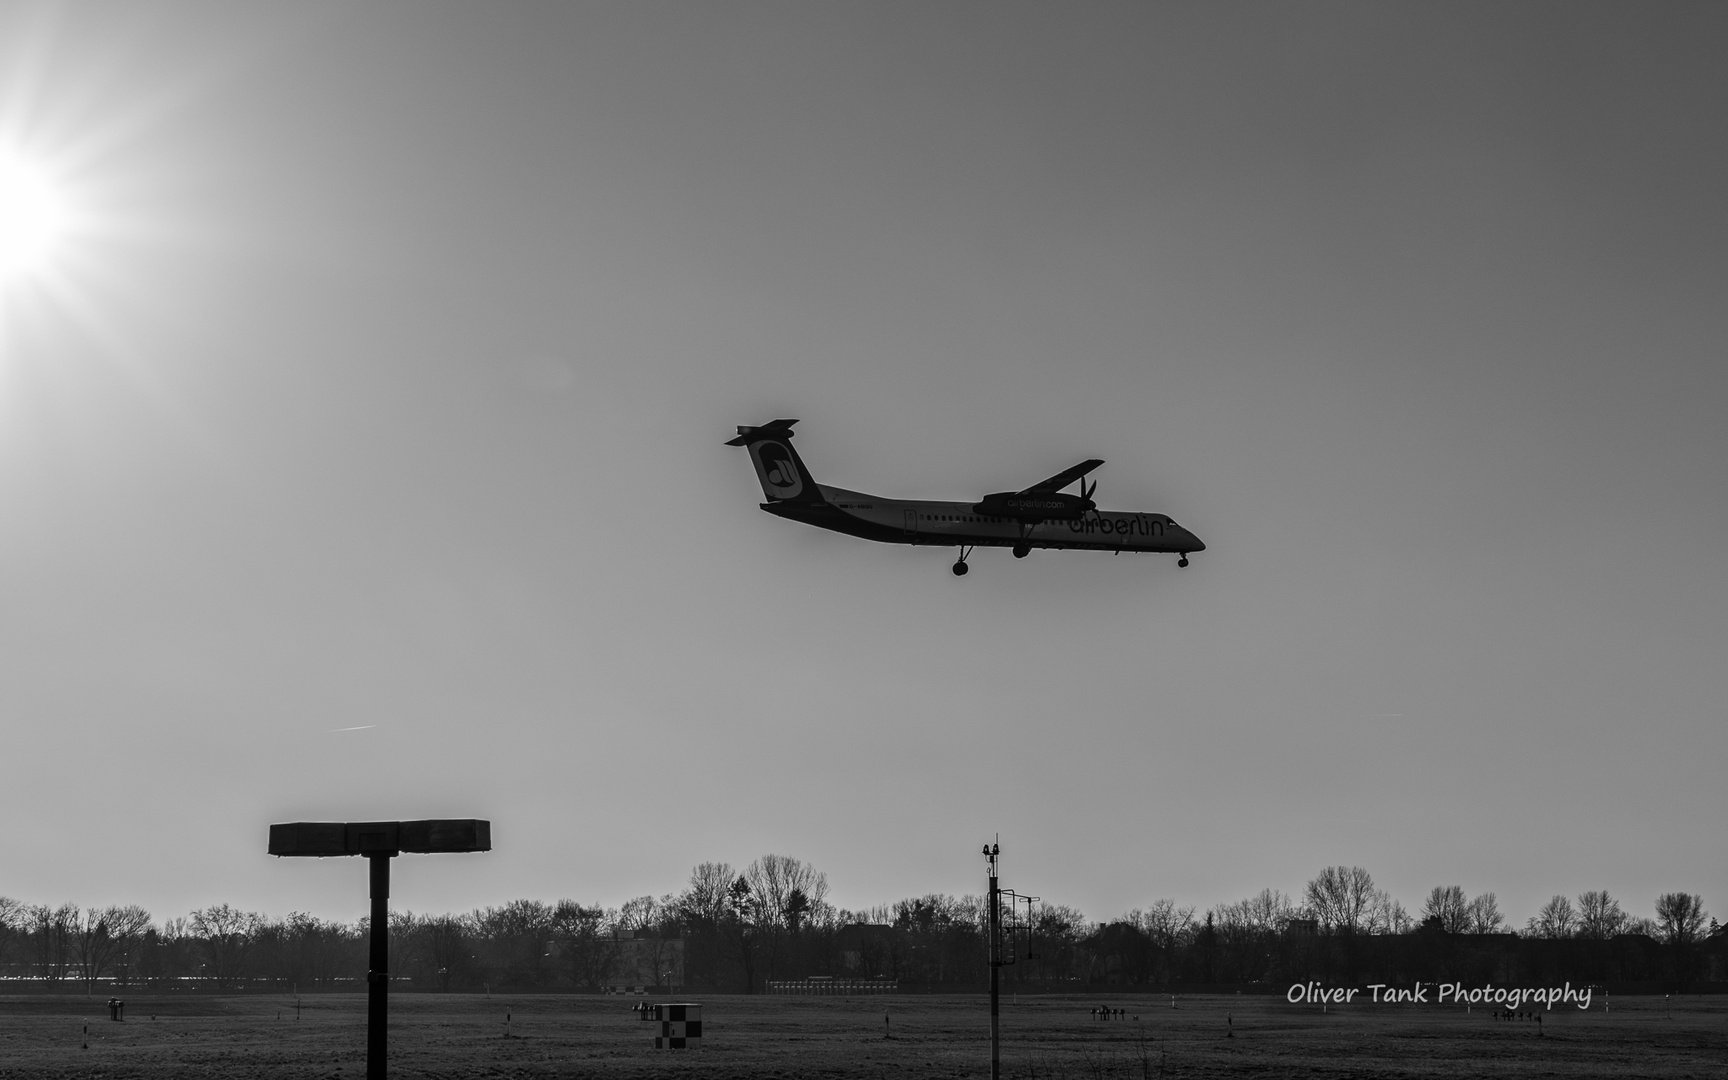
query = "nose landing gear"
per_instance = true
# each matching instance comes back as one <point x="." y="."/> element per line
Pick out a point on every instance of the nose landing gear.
<point x="1022" y="550"/>
<point x="960" y="566"/>
<point x="1183" y="561"/>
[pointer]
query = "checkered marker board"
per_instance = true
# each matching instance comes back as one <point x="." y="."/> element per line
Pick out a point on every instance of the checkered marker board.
<point x="680" y="1025"/>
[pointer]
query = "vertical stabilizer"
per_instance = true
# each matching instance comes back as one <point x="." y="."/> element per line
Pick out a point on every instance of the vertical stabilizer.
<point x="783" y="475"/>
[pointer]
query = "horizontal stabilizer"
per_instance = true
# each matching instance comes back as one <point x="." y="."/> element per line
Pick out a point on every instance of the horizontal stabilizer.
<point x="1061" y="479"/>
<point x="774" y="429"/>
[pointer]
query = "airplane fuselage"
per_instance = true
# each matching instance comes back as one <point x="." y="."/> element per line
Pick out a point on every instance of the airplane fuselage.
<point x="952" y="524"/>
<point x="1040" y="516"/>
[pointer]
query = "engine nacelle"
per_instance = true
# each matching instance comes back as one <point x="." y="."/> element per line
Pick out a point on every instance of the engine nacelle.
<point x="1035" y="507"/>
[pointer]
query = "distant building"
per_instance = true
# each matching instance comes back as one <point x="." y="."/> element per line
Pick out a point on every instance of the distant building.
<point x="1302" y="928"/>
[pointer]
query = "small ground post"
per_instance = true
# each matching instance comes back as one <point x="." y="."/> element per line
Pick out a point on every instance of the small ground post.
<point x="379" y="842"/>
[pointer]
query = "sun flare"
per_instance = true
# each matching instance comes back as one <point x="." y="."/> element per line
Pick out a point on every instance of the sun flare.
<point x="33" y="216"/>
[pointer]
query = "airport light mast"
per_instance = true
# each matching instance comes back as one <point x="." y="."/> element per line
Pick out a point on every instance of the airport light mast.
<point x="1000" y="957"/>
<point x="379" y="842"/>
<point x="995" y="951"/>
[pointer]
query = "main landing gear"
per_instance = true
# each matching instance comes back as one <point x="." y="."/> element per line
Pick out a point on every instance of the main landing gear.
<point x="1183" y="561"/>
<point x="960" y="566"/>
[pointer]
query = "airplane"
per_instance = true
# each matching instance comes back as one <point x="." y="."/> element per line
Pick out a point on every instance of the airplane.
<point x="1041" y="516"/>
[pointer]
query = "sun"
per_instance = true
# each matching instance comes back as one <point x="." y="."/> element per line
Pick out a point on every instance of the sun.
<point x="33" y="216"/>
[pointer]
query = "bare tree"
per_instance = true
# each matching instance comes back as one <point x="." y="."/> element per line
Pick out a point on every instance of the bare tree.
<point x="127" y="925"/>
<point x="1680" y="918"/>
<point x="702" y="907"/>
<point x="1167" y="925"/>
<point x="775" y="878"/>
<point x="663" y="950"/>
<point x="1058" y="930"/>
<point x="1447" y="903"/>
<point x="1599" y="915"/>
<point x="638" y="914"/>
<point x="1268" y="910"/>
<point x="587" y="939"/>
<point x="447" y="940"/>
<point x="311" y="951"/>
<point x="167" y="953"/>
<point x="107" y="938"/>
<point x="226" y="935"/>
<point x="656" y="927"/>
<point x="783" y="892"/>
<point x="516" y="936"/>
<point x="705" y="897"/>
<point x="91" y="945"/>
<point x="12" y="922"/>
<point x="1340" y="897"/>
<point x="1247" y="930"/>
<point x="52" y="931"/>
<point x="933" y="925"/>
<point x="1485" y="917"/>
<point x="1386" y="915"/>
<point x="1556" y="919"/>
<point x="1165" y="922"/>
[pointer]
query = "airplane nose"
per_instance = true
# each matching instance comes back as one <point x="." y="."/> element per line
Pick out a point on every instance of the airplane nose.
<point x="1194" y="542"/>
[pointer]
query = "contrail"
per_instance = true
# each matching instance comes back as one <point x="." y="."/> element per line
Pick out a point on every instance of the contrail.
<point x="362" y="727"/>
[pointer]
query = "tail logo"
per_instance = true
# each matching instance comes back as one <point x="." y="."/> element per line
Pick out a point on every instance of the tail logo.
<point x="774" y="465"/>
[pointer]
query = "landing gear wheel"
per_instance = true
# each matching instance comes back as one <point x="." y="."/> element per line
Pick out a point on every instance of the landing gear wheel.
<point x="1183" y="561"/>
<point x="1022" y="550"/>
<point x="960" y="568"/>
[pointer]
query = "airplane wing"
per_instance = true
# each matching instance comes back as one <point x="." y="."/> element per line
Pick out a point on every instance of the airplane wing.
<point x="1063" y="478"/>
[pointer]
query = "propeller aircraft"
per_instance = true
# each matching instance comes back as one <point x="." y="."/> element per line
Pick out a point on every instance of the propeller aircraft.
<point x="1041" y="516"/>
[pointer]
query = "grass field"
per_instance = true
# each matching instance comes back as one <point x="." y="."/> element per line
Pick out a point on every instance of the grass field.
<point x="937" y="1036"/>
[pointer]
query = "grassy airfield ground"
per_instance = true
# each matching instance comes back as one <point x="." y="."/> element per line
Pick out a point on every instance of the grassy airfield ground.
<point x="939" y="1036"/>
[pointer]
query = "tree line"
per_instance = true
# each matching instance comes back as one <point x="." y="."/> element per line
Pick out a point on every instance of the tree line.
<point x="738" y="929"/>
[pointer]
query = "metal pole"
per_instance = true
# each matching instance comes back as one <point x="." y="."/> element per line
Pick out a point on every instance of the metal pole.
<point x="378" y="973"/>
<point x="995" y="968"/>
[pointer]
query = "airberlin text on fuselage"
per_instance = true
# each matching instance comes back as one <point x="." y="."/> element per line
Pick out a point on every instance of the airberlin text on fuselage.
<point x="1488" y="994"/>
<point x="1121" y="526"/>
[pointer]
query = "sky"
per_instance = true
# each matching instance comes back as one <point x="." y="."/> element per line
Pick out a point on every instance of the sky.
<point x="361" y="447"/>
